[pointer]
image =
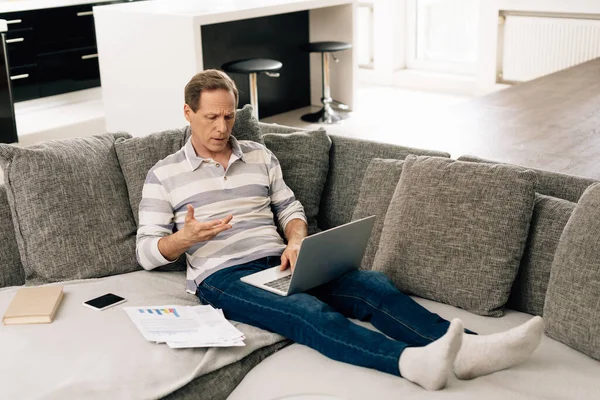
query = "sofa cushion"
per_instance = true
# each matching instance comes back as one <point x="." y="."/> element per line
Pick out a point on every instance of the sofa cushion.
<point x="276" y="128"/>
<point x="554" y="371"/>
<point x="11" y="269"/>
<point x="348" y="161"/>
<point x="550" y="215"/>
<point x="572" y="307"/>
<point x="69" y="204"/>
<point x="246" y="125"/>
<point x="563" y="186"/>
<point x="376" y="191"/>
<point x="137" y="155"/>
<point x="455" y="231"/>
<point x="86" y="354"/>
<point x="304" y="159"/>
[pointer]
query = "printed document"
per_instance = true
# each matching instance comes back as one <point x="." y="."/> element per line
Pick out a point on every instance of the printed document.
<point x="185" y="326"/>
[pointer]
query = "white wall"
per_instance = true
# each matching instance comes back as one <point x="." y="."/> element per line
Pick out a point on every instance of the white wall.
<point x="388" y="41"/>
<point x="488" y="29"/>
<point x="390" y="44"/>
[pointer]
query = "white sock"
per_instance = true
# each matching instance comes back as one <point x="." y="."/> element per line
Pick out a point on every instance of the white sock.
<point x="482" y="355"/>
<point x="430" y="365"/>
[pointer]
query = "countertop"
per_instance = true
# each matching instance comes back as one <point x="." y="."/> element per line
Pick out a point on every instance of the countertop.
<point x="26" y="5"/>
<point x="215" y="11"/>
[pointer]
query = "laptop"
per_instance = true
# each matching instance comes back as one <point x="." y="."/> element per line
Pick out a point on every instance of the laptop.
<point x="323" y="257"/>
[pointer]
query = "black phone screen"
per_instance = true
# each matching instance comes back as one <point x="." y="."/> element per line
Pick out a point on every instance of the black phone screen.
<point x="104" y="301"/>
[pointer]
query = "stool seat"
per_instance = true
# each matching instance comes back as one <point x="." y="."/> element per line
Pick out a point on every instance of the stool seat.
<point x="252" y="65"/>
<point x="324" y="47"/>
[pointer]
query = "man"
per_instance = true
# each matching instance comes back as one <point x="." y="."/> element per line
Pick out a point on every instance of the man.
<point x="221" y="195"/>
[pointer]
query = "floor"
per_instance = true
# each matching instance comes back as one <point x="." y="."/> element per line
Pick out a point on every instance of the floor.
<point x="58" y="117"/>
<point x="387" y="114"/>
<point x="381" y="113"/>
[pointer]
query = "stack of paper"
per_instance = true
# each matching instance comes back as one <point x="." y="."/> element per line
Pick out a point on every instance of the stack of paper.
<point x="184" y="326"/>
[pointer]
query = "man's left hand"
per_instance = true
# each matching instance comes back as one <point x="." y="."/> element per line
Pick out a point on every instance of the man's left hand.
<point x="290" y="256"/>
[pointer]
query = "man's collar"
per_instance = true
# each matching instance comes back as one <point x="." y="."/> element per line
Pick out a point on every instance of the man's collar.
<point x="195" y="160"/>
<point x="236" y="149"/>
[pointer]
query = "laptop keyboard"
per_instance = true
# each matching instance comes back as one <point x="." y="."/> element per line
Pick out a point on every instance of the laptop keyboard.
<point x="282" y="284"/>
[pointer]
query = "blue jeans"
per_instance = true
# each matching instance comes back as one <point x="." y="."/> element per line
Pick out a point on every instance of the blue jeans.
<point x="318" y="318"/>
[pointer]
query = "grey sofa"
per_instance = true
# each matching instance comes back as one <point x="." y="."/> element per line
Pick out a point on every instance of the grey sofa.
<point x="68" y="216"/>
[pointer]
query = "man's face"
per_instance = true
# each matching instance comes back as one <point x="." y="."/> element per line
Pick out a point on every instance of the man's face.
<point x="211" y="124"/>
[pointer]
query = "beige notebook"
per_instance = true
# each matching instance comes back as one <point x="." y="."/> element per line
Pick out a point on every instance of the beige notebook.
<point x="36" y="305"/>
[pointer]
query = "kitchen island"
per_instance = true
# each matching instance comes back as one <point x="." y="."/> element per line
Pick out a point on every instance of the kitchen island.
<point x="149" y="50"/>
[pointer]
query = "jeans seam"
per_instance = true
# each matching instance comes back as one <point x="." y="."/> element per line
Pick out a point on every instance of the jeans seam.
<point x="300" y="318"/>
<point x="203" y="298"/>
<point x="386" y="313"/>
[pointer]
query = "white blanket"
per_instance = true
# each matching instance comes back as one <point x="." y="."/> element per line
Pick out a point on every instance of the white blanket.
<point x="90" y="354"/>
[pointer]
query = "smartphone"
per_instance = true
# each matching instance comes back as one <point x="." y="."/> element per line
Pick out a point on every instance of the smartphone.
<point x="105" y="301"/>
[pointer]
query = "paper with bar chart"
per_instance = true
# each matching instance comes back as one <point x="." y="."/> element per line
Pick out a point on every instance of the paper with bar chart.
<point x="185" y="326"/>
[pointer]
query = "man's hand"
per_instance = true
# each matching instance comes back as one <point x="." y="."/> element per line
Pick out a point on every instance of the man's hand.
<point x="174" y="245"/>
<point x="290" y="256"/>
<point x="194" y="231"/>
<point x="295" y="232"/>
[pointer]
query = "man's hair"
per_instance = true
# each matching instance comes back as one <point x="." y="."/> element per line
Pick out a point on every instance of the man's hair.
<point x="210" y="79"/>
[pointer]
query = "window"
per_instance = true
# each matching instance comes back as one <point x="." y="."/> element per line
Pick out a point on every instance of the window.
<point x="442" y="35"/>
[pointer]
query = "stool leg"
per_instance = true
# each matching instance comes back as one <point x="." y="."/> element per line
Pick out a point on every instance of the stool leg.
<point x="326" y="83"/>
<point x="326" y="114"/>
<point x="254" y="93"/>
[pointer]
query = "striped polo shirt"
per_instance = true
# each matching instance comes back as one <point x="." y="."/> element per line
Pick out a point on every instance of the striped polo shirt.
<point x="251" y="189"/>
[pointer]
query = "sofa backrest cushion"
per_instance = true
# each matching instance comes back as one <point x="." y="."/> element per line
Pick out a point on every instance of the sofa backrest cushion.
<point x="455" y="231"/>
<point x="553" y="184"/>
<point x="246" y="125"/>
<point x="275" y="128"/>
<point x="304" y="160"/>
<point x="376" y="192"/>
<point x="572" y="306"/>
<point x="11" y="269"/>
<point x="137" y="155"/>
<point x="348" y="161"/>
<point x="70" y="208"/>
<point x="550" y="215"/>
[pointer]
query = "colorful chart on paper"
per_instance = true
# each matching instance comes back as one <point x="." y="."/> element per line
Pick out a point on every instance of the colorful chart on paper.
<point x="159" y="311"/>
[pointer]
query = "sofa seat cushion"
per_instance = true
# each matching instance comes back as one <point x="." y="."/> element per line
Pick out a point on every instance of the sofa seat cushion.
<point x="575" y="319"/>
<point x="89" y="354"/>
<point x="304" y="160"/>
<point x="455" y="231"/>
<point x="554" y="371"/>
<point x="70" y="208"/>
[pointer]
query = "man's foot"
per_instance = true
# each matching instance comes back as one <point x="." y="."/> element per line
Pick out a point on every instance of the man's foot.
<point x="482" y="355"/>
<point x="429" y="366"/>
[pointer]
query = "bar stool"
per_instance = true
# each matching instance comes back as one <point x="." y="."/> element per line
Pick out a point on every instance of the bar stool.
<point x="253" y="67"/>
<point x="326" y="114"/>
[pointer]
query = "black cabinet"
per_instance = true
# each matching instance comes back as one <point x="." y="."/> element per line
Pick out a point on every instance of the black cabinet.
<point x="25" y="82"/>
<point x="65" y="28"/>
<point x="51" y="51"/>
<point x="8" y="126"/>
<point x="68" y="70"/>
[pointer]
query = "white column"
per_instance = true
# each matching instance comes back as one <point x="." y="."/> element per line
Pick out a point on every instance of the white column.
<point x="334" y="24"/>
<point x="145" y="63"/>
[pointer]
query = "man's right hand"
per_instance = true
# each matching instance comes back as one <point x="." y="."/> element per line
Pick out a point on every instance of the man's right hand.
<point x="194" y="231"/>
